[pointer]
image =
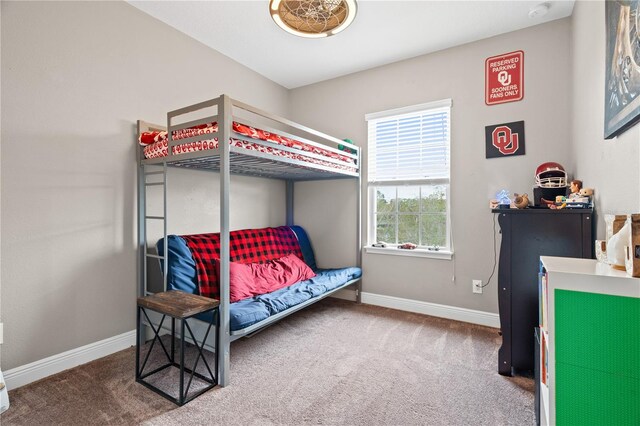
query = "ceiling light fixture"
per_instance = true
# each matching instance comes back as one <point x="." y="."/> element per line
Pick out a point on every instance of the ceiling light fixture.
<point x="313" y="18"/>
<point x="539" y="10"/>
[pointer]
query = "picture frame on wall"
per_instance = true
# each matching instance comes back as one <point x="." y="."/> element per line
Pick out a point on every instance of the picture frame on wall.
<point x="504" y="140"/>
<point x="622" y="77"/>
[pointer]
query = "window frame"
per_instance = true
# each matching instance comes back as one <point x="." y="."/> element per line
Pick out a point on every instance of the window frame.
<point x="421" y="251"/>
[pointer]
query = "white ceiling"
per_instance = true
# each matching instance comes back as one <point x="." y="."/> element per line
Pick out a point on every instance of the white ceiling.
<point x="383" y="32"/>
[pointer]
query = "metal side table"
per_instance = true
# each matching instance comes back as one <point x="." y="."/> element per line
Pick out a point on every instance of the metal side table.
<point x="180" y="306"/>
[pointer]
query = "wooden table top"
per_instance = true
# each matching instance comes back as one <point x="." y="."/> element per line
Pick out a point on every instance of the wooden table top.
<point x="178" y="304"/>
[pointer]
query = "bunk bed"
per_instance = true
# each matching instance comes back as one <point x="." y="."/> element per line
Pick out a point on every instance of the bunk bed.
<point x="260" y="144"/>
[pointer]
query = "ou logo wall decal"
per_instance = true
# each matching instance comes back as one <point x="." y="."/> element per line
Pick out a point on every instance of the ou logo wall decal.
<point x="504" y="140"/>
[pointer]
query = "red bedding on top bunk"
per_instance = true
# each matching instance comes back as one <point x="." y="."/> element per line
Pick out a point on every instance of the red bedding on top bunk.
<point x="156" y="144"/>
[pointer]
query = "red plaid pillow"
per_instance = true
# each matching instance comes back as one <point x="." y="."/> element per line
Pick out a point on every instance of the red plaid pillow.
<point x="246" y="246"/>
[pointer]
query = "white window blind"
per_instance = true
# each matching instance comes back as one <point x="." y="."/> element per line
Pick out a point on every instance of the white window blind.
<point x="408" y="175"/>
<point x="410" y="143"/>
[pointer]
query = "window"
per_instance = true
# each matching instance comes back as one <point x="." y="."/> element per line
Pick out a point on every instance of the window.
<point x="408" y="176"/>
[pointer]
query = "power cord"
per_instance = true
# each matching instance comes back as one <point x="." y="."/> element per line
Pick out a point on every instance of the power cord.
<point x="453" y="260"/>
<point x="495" y="256"/>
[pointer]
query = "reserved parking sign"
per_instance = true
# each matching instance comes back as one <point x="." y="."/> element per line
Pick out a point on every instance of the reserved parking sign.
<point x="504" y="78"/>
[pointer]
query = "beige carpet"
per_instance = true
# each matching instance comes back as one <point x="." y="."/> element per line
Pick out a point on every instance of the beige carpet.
<point x="333" y="363"/>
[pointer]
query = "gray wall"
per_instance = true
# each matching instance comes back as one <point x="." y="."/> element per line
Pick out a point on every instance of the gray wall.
<point x="339" y="105"/>
<point x="75" y="77"/>
<point x="609" y="166"/>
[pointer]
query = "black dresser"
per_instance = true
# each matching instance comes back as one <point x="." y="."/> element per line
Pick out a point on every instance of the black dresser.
<point x="526" y="235"/>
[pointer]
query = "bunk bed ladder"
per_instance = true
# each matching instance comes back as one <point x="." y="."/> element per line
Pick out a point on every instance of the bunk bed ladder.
<point x="144" y="217"/>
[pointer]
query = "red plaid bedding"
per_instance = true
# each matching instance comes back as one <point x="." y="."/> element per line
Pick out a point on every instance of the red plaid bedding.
<point x="156" y="144"/>
<point x="246" y="246"/>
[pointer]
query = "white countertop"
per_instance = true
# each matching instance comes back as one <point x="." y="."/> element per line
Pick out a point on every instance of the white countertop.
<point x="591" y="276"/>
<point x="570" y="265"/>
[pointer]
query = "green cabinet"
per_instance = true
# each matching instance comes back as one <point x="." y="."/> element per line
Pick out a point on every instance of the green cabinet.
<point x="597" y="358"/>
<point x="592" y="323"/>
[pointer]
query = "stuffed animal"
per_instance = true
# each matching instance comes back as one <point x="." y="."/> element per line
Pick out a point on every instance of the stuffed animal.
<point x="521" y="201"/>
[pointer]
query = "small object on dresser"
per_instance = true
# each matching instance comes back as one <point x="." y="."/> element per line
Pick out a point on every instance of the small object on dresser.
<point x="504" y="202"/>
<point x="575" y="187"/>
<point x="580" y="197"/>
<point x="521" y="201"/>
<point x="586" y="192"/>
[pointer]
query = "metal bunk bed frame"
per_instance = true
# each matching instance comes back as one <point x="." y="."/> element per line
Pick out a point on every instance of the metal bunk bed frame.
<point x="227" y="160"/>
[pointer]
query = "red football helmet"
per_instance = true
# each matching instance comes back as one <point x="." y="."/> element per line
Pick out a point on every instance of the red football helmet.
<point x="551" y="175"/>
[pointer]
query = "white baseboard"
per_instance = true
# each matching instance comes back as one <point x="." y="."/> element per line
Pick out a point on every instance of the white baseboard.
<point x="443" y="311"/>
<point x="37" y="370"/>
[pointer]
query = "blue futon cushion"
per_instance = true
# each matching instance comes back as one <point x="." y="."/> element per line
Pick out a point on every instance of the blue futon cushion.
<point x="250" y="311"/>
<point x="182" y="275"/>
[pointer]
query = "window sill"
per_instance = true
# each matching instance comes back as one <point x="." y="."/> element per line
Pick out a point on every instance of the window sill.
<point x="433" y="254"/>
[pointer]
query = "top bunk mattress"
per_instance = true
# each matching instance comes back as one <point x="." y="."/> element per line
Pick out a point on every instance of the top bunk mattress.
<point x="156" y="145"/>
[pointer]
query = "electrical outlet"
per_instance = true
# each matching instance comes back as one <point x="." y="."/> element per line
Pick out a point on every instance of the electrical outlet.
<point x="477" y="286"/>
